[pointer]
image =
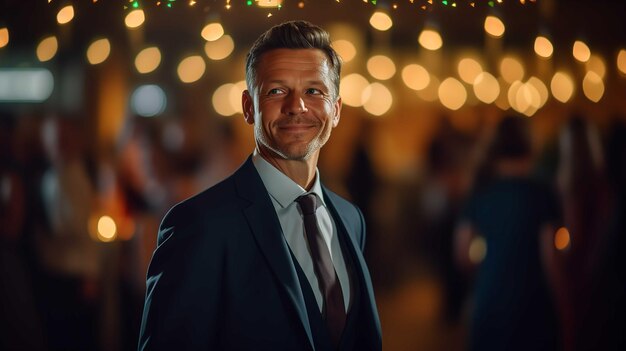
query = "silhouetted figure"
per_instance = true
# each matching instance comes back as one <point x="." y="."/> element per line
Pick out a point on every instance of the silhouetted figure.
<point x="512" y="306"/>
<point x="584" y="197"/>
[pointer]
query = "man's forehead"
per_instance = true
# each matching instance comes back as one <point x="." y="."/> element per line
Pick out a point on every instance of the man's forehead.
<point x="296" y="58"/>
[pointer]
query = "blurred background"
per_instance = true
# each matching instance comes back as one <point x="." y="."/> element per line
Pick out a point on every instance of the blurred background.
<point x="484" y="141"/>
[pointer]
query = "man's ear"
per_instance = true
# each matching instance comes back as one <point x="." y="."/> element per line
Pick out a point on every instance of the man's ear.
<point x="337" y="112"/>
<point x="247" y="105"/>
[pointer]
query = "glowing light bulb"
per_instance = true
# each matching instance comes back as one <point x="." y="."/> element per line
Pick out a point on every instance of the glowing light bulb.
<point x="543" y="47"/>
<point x="107" y="229"/>
<point x="381" y="21"/>
<point x="581" y="51"/>
<point x="47" y="49"/>
<point x="98" y="51"/>
<point x="4" y="37"/>
<point x="415" y="77"/>
<point x="494" y="26"/>
<point x="148" y="60"/>
<point x="430" y="40"/>
<point x="135" y="18"/>
<point x="212" y="31"/>
<point x="65" y="15"/>
<point x="351" y="89"/>
<point x="381" y="67"/>
<point x="191" y="69"/>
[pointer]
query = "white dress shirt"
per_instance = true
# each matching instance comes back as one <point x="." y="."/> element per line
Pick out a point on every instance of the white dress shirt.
<point x="283" y="191"/>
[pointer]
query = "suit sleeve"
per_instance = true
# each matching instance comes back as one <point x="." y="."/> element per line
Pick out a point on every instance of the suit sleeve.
<point x="182" y="289"/>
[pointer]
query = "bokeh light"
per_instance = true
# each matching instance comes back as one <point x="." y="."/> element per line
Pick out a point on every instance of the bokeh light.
<point x="135" y="18"/>
<point x="377" y="99"/>
<point x="191" y="69"/>
<point x="98" y="51"/>
<point x="65" y="15"/>
<point x="431" y="92"/>
<point x="381" y="67"/>
<point x="452" y="93"/>
<point x="562" y="239"/>
<point x="486" y="87"/>
<point x="541" y="89"/>
<point x="621" y="61"/>
<point x="415" y="76"/>
<point x="543" y="47"/>
<point x="477" y="250"/>
<point x="148" y="100"/>
<point x="596" y="64"/>
<point x="221" y="100"/>
<point x="107" y="229"/>
<point x="148" y="59"/>
<point x="469" y="69"/>
<point x="4" y="37"/>
<point x="494" y="26"/>
<point x="593" y="86"/>
<point x="581" y="51"/>
<point x="220" y="48"/>
<point x="47" y="48"/>
<point x="562" y="86"/>
<point x="381" y="21"/>
<point x="345" y="49"/>
<point x="351" y="89"/>
<point x="430" y="40"/>
<point x="212" y="31"/>
<point x="511" y="69"/>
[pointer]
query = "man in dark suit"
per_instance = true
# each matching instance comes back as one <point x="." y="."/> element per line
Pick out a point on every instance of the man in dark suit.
<point x="269" y="259"/>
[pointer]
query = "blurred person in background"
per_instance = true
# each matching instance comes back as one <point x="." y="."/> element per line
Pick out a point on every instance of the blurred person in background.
<point x="498" y="237"/>
<point x="69" y="257"/>
<point x="574" y="252"/>
<point x="20" y="324"/>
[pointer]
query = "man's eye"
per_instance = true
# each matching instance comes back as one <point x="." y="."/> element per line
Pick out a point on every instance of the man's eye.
<point x="313" y="91"/>
<point x="274" y="91"/>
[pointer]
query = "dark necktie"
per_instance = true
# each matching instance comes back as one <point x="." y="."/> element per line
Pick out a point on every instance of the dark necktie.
<point x="333" y="311"/>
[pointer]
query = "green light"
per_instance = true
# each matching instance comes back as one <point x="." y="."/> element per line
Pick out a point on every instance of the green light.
<point x="491" y="3"/>
<point x="136" y="4"/>
<point x="374" y="2"/>
<point x="445" y="2"/>
<point x="169" y="5"/>
<point x="249" y="3"/>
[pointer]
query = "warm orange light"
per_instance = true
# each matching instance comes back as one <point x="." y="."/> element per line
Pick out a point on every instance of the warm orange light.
<point x="212" y="31"/>
<point x="47" y="48"/>
<point x="345" y="49"/>
<point x="562" y="239"/>
<point x="581" y="51"/>
<point x="107" y="229"/>
<point x="4" y="37"/>
<point x="494" y="26"/>
<point x="381" y="21"/>
<point x="65" y="15"/>
<point x="135" y="18"/>
<point x="430" y="40"/>
<point x="543" y="47"/>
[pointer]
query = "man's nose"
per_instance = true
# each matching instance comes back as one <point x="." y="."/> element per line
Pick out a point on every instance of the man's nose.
<point x="294" y="104"/>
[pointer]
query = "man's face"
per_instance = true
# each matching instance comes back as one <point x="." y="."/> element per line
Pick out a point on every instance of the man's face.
<point x="293" y="106"/>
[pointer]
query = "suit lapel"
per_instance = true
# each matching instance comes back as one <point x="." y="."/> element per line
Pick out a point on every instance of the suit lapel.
<point x="354" y="249"/>
<point x="267" y="232"/>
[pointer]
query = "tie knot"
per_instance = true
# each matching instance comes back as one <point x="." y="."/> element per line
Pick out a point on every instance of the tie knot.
<point x="307" y="203"/>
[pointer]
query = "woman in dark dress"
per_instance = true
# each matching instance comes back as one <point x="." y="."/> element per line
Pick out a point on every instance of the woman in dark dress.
<point x="499" y="233"/>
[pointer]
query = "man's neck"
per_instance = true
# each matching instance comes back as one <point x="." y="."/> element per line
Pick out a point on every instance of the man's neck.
<point x="302" y="172"/>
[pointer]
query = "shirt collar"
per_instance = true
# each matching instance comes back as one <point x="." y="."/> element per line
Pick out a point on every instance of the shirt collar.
<point x="280" y="187"/>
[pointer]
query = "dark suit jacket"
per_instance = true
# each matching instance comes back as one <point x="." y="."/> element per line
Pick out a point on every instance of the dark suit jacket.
<point x="222" y="276"/>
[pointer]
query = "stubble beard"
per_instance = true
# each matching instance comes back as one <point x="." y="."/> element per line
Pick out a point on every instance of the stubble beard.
<point x="289" y="155"/>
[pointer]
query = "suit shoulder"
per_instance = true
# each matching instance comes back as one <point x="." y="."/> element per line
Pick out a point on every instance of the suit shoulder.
<point x="220" y="196"/>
